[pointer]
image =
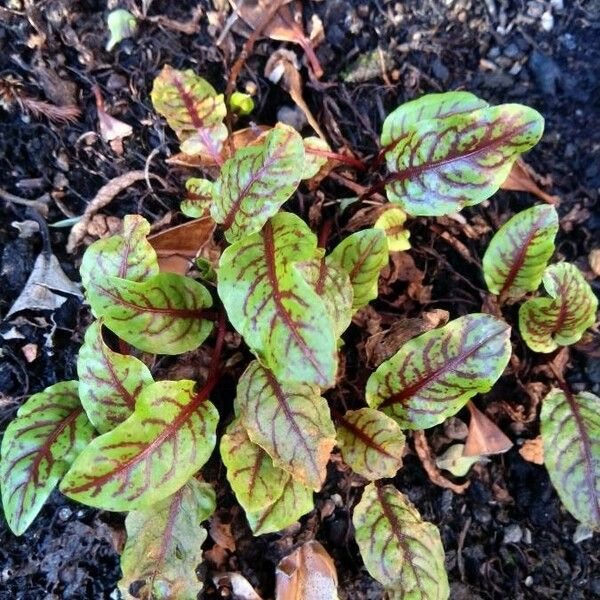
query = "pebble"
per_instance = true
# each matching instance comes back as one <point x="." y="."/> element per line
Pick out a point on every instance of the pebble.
<point x="482" y="515"/>
<point x="512" y="51"/>
<point x="547" y="21"/>
<point x="64" y="513"/>
<point x="292" y="116"/>
<point x="545" y="71"/>
<point x="513" y="534"/>
<point x="568" y="41"/>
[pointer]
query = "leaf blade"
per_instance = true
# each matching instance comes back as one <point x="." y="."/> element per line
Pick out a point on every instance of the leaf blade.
<point x="39" y="444"/>
<point x="433" y="375"/>
<point x="547" y="323"/>
<point x="443" y="165"/>
<point x="289" y="421"/>
<point x="126" y="468"/>
<point x="164" y="314"/>
<point x="400" y="550"/>
<point x="570" y="430"/>
<point x="109" y="382"/>
<point x="517" y="255"/>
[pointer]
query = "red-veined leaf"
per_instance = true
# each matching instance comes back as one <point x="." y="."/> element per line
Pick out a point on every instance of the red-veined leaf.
<point x="165" y="314"/>
<point x="391" y="222"/>
<point x="290" y="421"/>
<point x="146" y="458"/>
<point x="295" y="501"/>
<point x="255" y="480"/>
<point x="109" y="382"/>
<point x="316" y="156"/>
<point x="49" y="431"/>
<point x="430" y="106"/>
<point x="434" y="375"/>
<point x="256" y="181"/>
<point x="372" y="443"/>
<point x="439" y="166"/>
<point x="400" y="550"/>
<point x="570" y="428"/>
<point x="547" y="323"/>
<point x="193" y="110"/>
<point x="199" y="194"/>
<point x="514" y="262"/>
<point x="164" y="545"/>
<point x="362" y="255"/>
<point x="268" y="301"/>
<point x="128" y="255"/>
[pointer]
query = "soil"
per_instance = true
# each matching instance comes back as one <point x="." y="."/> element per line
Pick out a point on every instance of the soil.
<point x="508" y="536"/>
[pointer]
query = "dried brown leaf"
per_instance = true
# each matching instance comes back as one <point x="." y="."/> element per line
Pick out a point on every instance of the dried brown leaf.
<point x="533" y="450"/>
<point x="485" y="437"/>
<point x="522" y="178"/>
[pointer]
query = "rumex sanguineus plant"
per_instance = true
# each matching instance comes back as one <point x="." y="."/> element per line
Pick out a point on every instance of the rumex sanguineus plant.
<point x="119" y="440"/>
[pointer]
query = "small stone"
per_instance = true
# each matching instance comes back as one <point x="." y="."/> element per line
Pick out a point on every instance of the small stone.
<point x="455" y="429"/>
<point x="547" y="21"/>
<point x="64" y="513"/>
<point x="513" y="534"/>
<point x="582" y="533"/>
<point x="526" y="536"/>
<point x="482" y="515"/>
<point x="512" y="51"/>
<point x="493" y="53"/>
<point x="528" y="581"/>
<point x="568" y="41"/>
<point x="292" y="116"/>
<point x="557" y="4"/>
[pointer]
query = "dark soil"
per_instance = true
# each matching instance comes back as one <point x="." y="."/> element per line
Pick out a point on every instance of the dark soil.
<point x="497" y="49"/>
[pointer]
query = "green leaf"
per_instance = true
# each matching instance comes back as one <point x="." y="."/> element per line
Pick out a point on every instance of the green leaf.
<point x="193" y="110"/>
<point x="165" y="314"/>
<point x="109" y="382"/>
<point x="290" y="421"/>
<point x="392" y="223"/>
<point x="315" y="156"/>
<point x="570" y="428"/>
<point x="371" y="443"/>
<point x="442" y="165"/>
<point x="431" y="106"/>
<point x="121" y="25"/>
<point x="514" y="262"/>
<point x="256" y="181"/>
<point x="128" y="255"/>
<point x="362" y="255"/>
<point x="454" y="461"/>
<point x="198" y="197"/>
<point x="241" y="103"/>
<point x="333" y="286"/>
<point x="49" y="431"/>
<point x="170" y="435"/>
<point x="256" y="482"/>
<point x="547" y="323"/>
<point x="435" y="374"/>
<point x="295" y="501"/>
<point x="400" y="550"/>
<point x="269" y="302"/>
<point x="164" y="545"/>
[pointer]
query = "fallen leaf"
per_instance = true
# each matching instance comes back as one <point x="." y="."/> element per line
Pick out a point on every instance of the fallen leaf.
<point x="522" y="178"/>
<point x="240" y="587"/>
<point x="46" y="278"/>
<point x="30" y="352"/>
<point x="427" y="460"/>
<point x="533" y="450"/>
<point x="455" y="462"/>
<point x="384" y="344"/>
<point x="282" y="67"/>
<point x="103" y="197"/>
<point x="111" y="129"/>
<point x="220" y="532"/>
<point x="308" y="573"/>
<point x="485" y="437"/>
<point x="283" y="27"/>
<point x="178" y="246"/>
<point x="594" y="260"/>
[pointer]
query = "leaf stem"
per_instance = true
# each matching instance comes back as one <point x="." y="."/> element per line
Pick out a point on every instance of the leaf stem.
<point x="214" y="370"/>
<point x="349" y="160"/>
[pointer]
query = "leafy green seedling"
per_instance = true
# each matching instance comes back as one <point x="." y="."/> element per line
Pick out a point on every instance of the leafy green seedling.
<point x="121" y="25"/>
<point x="241" y="103"/>
<point x="516" y="258"/>
<point x="561" y="319"/>
<point x="121" y="441"/>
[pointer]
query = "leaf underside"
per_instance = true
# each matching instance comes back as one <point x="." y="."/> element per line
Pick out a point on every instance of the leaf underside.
<point x="434" y="375"/>
<point x="38" y="446"/>
<point x="289" y="421"/>
<point x="109" y="382"/>
<point x="164" y="545"/>
<point x="164" y="314"/>
<point x="517" y="255"/>
<point x="438" y="166"/>
<point x="570" y="428"/>
<point x="547" y="323"/>
<point x="169" y="436"/>
<point x="399" y="549"/>
<point x="372" y="443"/>
<point x="282" y="319"/>
<point x="255" y="480"/>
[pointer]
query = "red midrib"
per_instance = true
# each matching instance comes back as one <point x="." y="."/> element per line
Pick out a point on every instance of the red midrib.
<point x="414" y="171"/>
<point x="269" y="246"/>
<point x="408" y="392"/>
<point x="129" y="399"/>
<point x="362" y="436"/>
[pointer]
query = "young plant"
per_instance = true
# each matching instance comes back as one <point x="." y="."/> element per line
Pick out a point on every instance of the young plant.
<point x="515" y="263"/>
<point x="118" y="440"/>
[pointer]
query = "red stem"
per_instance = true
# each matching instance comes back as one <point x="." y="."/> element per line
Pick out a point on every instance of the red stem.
<point x="349" y="160"/>
<point x="214" y="370"/>
<point x="325" y="231"/>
